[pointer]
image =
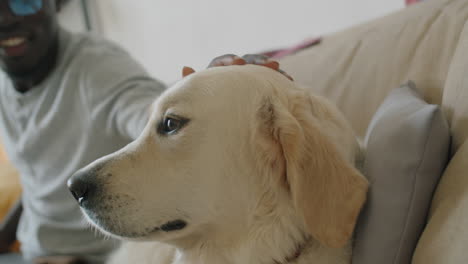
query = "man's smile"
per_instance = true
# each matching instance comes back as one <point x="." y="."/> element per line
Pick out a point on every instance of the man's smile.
<point x="14" y="46"/>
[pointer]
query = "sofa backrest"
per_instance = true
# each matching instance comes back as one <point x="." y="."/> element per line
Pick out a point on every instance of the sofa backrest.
<point x="357" y="68"/>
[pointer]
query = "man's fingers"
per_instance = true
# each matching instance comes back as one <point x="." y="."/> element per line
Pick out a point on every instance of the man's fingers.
<point x="272" y="65"/>
<point x="225" y="60"/>
<point x="265" y="61"/>
<point x="238" y="61"/>
<point x="256" y="59"/>
<point x="285" y="74"/>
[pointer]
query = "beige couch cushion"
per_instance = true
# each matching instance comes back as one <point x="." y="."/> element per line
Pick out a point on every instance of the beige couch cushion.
<point x="455" y="100"/>
<point x="358" y="67"/>
<point x="445" y="238"/>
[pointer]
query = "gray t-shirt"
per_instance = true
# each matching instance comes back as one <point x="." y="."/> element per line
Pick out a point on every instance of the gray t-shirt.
<point x="94" y="102"/>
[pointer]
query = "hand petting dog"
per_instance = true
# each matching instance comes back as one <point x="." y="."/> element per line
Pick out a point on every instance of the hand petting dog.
<point x="231" y="59"/>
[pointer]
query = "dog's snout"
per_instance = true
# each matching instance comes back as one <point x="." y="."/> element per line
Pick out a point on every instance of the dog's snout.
<point x="81" y="186"/>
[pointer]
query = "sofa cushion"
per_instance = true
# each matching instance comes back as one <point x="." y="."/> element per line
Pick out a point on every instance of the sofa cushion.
<point x="407" y="147"/>
<point x="455" y="101"/>
<point x="359" y="66"/>
<point x="445" y="238"/>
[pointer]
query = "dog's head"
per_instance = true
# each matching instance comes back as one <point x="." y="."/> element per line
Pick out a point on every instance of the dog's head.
<point x="220" y="145"/>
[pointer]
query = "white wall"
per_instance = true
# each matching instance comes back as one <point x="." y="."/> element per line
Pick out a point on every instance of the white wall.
<point x="165" y="35"/>
<point x="71" y="17"/>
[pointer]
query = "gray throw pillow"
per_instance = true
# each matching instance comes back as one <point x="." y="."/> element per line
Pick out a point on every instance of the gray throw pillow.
<point x="407" y="148"/>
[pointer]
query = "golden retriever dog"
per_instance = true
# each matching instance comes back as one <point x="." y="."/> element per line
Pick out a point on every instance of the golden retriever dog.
<point x="236" y="165"/>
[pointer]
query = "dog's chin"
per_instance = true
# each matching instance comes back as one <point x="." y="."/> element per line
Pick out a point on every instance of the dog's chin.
<point x="114" y="229"/>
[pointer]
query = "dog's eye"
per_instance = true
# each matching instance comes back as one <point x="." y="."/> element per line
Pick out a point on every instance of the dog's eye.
<point x="171" y="125"/>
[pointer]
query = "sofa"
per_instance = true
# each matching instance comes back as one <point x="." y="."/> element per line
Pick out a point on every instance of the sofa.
<point x="356" y="69"/>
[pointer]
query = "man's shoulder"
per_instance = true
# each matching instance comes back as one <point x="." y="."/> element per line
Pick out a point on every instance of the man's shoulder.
<point x="94" y="47"/>
<point x="101" y="65"/>
<point x="93" y="57"/>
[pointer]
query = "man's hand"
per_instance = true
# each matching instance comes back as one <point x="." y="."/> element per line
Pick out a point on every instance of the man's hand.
<point x="59" y="260"/>
<point x="227" y="60"/>
<point x="257" y="59"/>
<point x="231" y="59"/>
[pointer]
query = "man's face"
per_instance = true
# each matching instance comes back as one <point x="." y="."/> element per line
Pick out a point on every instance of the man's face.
<point x="27" y="32"/>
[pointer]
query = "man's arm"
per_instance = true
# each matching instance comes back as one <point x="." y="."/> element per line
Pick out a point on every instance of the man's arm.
<point x="119" y="93"/>
<point x="8" y="227"/>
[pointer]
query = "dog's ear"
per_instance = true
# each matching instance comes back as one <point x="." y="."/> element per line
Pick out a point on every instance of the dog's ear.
<point x="326" y="189"/>
<point x="186" y="71"/>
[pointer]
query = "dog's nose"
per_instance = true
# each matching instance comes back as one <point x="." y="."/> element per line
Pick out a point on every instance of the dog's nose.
<point x="80" y="186"/>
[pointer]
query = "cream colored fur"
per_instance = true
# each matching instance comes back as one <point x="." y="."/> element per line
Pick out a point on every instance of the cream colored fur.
<point x="261" y="167"/>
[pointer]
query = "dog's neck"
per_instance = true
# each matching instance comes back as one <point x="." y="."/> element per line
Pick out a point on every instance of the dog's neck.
<point x="261" y="253"/>
<point x="273" y="234"/>
<point x="268" y="237"/>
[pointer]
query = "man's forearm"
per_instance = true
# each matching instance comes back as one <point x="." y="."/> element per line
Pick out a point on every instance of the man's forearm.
<point x="9" y="226"/>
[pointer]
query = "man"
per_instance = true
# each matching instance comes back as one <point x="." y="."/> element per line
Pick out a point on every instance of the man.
<point x="65" y="100"/>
